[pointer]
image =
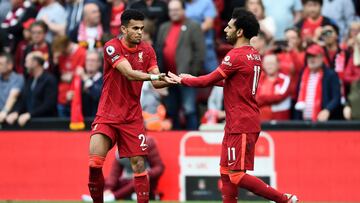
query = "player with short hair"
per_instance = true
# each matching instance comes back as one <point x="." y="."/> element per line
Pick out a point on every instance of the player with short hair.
<point x="127" y="62"/>
<point x="239" y="73"/>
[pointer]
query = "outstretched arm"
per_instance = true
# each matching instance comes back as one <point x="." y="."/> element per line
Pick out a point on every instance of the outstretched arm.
<point x="126" y="70"/>
<point x="166" y="82"/>
<point x="201" y="81"/>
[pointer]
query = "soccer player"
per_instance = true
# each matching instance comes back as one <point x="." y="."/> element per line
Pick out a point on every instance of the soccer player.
<point x="239" y="74"/>
<point x="127" y="62"/>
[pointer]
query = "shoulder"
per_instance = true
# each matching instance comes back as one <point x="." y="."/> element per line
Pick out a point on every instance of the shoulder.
<point x="111" y="42"/>
<point x="112" y="46"/>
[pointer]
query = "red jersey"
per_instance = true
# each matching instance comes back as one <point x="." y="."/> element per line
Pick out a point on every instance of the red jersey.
<point x="120" y="97"/>
<point x="69" y="63"/>
<point x="241" y="67"/>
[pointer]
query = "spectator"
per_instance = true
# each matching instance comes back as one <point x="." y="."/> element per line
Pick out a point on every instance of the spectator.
<point x="120" y="185"/>
<point x="313" y="20"/>
<point x="154" y="10"/>
<point x="10" y="85"/>
<point x="12" y="25"/>
<point x="20" y="49"/>
<point x="118" y="7"/>
<point x="69" y="57"/>
<point x="342" y="11"/>
<point x="74" y="12"/>
<point x="352" y="78"/>
<point x="204" y="13"/>
<point x="53" y="14"/>
<point x="154" y="113"/>
<point x="267" y="23"/>
<point x="273" y="94"/>
<point x="38" y="32"/>
<point x="329" y="37"/>
<point x="319" y="94"/>
<point x="90" y="30"/>
<point x="294" y="46"/>
<point x="285" y="14"/>
<point x="180" y="44"/>
<point x="38" y="97"/>
<point x="259" y="43"/>
<point x="349" y="41"/>
<point x="297" y="55"/>
<point x="215" y="112"/>
<point x="92" y="80"/>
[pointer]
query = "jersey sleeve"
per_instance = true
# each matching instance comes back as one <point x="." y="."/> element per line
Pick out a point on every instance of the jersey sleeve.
<point x="153" y="61"/>
<point x="229" y="65"/>
<point x="113" y="55"/>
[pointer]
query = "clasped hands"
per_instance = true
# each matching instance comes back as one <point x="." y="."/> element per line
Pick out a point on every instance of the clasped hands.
<point x="172" y="78"/>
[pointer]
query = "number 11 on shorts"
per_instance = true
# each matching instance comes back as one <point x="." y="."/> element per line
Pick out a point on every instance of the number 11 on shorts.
<point x="231" y="154"/>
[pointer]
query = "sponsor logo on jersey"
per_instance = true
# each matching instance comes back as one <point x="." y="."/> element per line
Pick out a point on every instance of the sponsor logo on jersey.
<point x="110" y="50"/>
<point x="226" y="61"/>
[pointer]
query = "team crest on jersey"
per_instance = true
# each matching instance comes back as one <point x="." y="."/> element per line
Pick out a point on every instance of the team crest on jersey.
<point x="140" y="56"/>
<point x="110" y="50"/>
<point x="227" y="58"/>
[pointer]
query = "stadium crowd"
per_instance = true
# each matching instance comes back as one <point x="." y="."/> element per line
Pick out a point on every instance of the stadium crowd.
<point x="51" y="55"/>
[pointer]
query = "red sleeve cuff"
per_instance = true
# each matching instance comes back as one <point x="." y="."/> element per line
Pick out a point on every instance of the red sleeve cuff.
<point x="118" y="61"/>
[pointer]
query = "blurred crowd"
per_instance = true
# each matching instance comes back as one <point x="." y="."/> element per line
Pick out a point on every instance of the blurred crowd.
<point x="51" y="55"/>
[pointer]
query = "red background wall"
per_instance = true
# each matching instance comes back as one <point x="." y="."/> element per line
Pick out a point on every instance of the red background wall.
<point x="52" y="165"/>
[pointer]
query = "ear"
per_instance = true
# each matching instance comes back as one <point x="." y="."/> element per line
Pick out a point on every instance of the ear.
<point x="239" y="32"/>
<point x="123" y="29"/>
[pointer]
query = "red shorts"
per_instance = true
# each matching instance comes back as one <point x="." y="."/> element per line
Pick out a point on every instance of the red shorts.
<point x="130" y="137"/>
<point x="238" y="151"/>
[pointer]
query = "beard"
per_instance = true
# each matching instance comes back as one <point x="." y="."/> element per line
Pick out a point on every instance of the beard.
<point x="231" y="39"/>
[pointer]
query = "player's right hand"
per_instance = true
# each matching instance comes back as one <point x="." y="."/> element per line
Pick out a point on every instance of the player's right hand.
<point x="163" y="77"/>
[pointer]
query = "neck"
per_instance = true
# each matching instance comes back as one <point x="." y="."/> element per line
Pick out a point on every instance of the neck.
<point x="241" y="42"/>
<point x="314" y="18"/>
<point x="38" y="71"/>
<point x="272" y="77"/>
<point x="332" y="46"/>
<point x="128" y="44"/>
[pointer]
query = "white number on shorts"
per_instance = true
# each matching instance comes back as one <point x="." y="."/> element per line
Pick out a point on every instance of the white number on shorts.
<point x="231" y="154"/>
<point x="256" y="79"/>
<point x="142" y="138"/>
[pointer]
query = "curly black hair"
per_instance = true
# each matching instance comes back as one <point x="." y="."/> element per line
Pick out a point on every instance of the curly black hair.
<point x="131" y="14"/>
<point x="246" y="21"/>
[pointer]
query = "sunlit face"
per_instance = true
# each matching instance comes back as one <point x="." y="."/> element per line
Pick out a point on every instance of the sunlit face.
<point x="315" y="62"/>
<point x="133" y="31"/>
<point x="93" y="63"/>
<point x="29" y="63"/>
<point x="3" y="65"/>
<point x="293" y="39"/>
<point x="231" y="32"/>
<point x="176" y="12"/>
<point x="37" y="34"/>
<point x="270" y="64"/>
<point x="329" y="35"/>
<point x="254" y="7"/>
<point x="312" y="9"/>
